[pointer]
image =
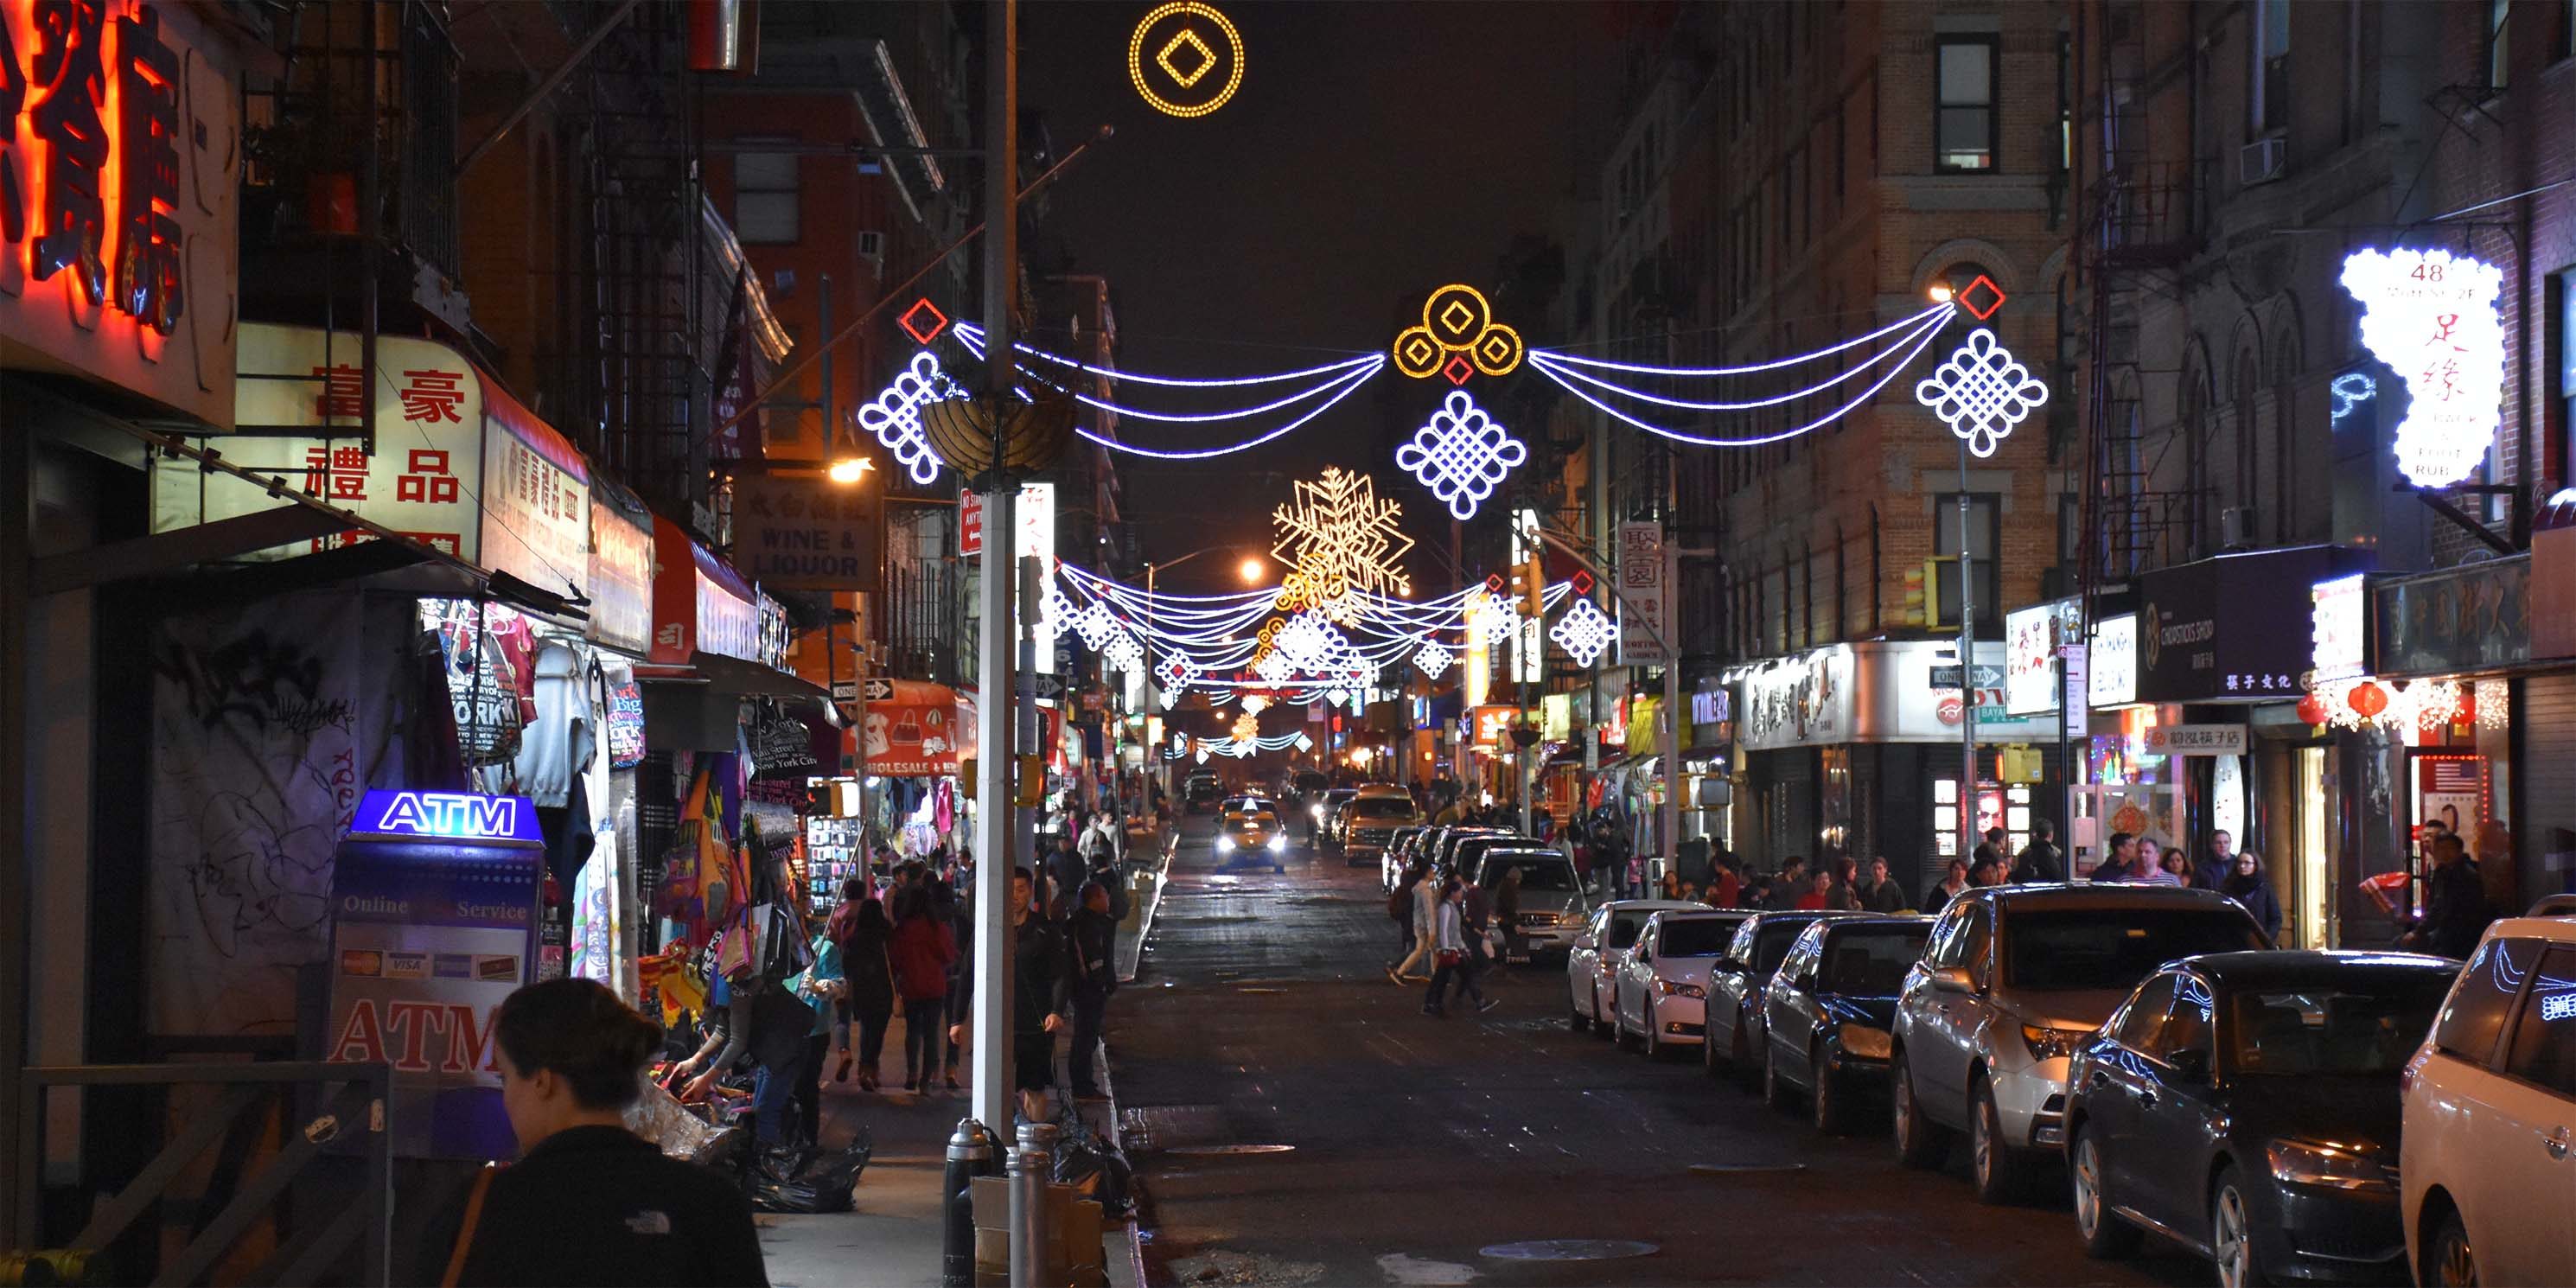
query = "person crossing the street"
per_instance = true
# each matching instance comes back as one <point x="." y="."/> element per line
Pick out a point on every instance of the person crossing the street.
<point x="1448" y="946"/>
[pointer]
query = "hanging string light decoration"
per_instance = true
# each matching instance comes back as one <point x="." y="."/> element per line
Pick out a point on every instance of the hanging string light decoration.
<point x="1457" y="339"/>
<point x="1121" y="652"/>
<point x="1461" y="454"/>
<point x="894" y="415"/>
<point x="1432" y="660"/>
<point x="1319" y="389"/>
<point x="1982" y="392"/>
<point x="1583" y="631"/>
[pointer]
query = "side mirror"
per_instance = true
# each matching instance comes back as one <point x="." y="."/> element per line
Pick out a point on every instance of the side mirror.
<point x="1952" y="979"/>
<point x="2190" y="1065"/>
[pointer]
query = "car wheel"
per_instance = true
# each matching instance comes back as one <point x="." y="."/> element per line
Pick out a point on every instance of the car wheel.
<point x="2106" y="1236"/>
<point x="1832" y="1116"/>
<point x="1654" y="1040"/>
<point x="1748" y="1074"/>
<point x="1574" y="1019"/>
<point x="1775" y="1092"/>
<point x="1919" y="1141"/>
<point x="1709" y="1062"/>
<point x="1605" y="1027"/>
<point x="2452" y="1262"/>
<point x="2231" y="1234"/>
<point x="1992" y="1163"/>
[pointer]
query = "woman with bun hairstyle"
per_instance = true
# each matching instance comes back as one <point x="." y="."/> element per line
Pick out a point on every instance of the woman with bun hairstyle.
<point x="589" y="1202"/>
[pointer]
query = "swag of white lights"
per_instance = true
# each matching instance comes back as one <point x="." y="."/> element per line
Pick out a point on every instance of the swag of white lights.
<point x="1462" y="453"/>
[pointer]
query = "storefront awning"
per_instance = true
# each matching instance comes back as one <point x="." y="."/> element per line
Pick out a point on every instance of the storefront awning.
<point x="732" y="677"/>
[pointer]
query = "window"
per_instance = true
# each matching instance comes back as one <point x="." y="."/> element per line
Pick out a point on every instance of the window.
<point x="2499" y="51"/>
<point x="1964" y="103"/>
<point x="2270" y="102"/>
<point x="2561" y="322"/>
<point x="764" y="197"/>
<point x="1976" y="946"/>
<point x="2479" y="1003"/>
<point x="2544" y="1039"/>
<point x="2137" y="1024"/>
<point x="2188" y="1026"/>
<point x="1982" y="537"/>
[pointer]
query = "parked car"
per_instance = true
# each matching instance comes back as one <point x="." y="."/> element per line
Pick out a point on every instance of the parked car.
<point x="1397" y="857"/>
<point x="1738" y="990"/>
<point x="1828" y="1012"/>
<point x="1368" y="823"/>
<point x="1255" y="839"/>
<point x="1592" y="960"/>
<point x="2246" y="1106"/>
<point x="2013" y="979"/>
<point x="1202" y="792"/>
<point x="2488" y="1180"/>
<point x="1468" y="854"/>
<point x="1444" y="847"/>
<point x="1660" y="991"/>
<point x="1553" y="905"/>
<point x="1319" y="814"/>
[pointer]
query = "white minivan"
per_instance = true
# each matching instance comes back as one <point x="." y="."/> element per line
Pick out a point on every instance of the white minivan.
<point x="2484" y="1167"/>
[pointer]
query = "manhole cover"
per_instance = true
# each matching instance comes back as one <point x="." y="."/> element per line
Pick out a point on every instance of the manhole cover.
<point x="1231" y="1149"/>
<point x="1744" y="1169"/>
<point x="1568" y="1250"/>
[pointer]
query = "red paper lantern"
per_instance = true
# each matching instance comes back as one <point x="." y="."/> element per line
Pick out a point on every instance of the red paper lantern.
<point x="2368" y="698"/>
<point x="2312" y="710"/>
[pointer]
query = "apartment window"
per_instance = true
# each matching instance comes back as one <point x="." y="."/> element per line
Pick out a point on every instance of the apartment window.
<point x="1983" y="539"/>
<point x="2561" y="320"/>
<point x="2499" y="52"/>
<point x="764" y="197"/>
<point x="2565" y="42"/>
<point x="1964" y="94"/>
<point x="2065" y="102"/>
<point x="2271" y="70"/>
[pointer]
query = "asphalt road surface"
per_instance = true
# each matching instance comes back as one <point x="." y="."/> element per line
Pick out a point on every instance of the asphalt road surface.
<point x="1263" y="1017"/>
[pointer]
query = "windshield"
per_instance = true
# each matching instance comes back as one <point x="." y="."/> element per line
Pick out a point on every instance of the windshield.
<point x="2114" y="948"/>
<point x="1870" y="963"/>
<point x="1381" y="807"/>
<point x="1624" y="927"/>
<point x="1536" y="874"/>
<point x="1696" y="937"/>
<point x="2334" y="1030"/>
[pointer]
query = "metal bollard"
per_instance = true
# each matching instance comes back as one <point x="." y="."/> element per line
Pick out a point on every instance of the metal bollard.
<point x="970" y="1154"/>
<point x="1030" y="1165"/>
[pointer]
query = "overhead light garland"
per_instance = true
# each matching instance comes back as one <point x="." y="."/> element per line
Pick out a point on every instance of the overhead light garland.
<point x="1461" y="454"/>
<point x="1330" y="384"/>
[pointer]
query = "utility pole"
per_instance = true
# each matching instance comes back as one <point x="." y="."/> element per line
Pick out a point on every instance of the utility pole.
<point x="994" y="816"/>
<point x="1967" y="670"/>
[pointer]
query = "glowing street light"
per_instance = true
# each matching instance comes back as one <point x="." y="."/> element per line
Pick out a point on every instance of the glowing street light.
<point x="850" y="469"/>
<point x="1254" y="571"/>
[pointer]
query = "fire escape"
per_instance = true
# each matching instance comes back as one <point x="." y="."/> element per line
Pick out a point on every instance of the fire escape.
<point x="2135" y="238"/>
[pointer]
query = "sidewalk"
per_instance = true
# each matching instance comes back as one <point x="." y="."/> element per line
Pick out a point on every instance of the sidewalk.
<point x="895" y="1235"/>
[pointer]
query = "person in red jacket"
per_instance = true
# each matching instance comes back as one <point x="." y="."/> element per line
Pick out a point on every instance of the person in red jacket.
<point x="922" y="950"/>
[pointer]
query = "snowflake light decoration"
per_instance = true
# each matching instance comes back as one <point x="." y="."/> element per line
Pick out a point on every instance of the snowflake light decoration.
<point x="1982" y="392"/>
<point x="895" y="414"/>
<point x="1341" y="538"/>
<point x="1583" y="631"/>
<point x="1461" y="454"/>
<point x="1246" y="728"/>
<point x="1432" y="660"/>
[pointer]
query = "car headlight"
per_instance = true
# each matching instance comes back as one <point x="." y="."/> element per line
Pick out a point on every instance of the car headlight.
<point x="1224" y="843"/>
<point x="1279" y="842"/>
<point x="2051" y="1044"/>
<point x="2298" y="1162"/>
<point x="1317" y="811"/>
<point x="1863" y="1041"/>
<point x="1679" y="988"/>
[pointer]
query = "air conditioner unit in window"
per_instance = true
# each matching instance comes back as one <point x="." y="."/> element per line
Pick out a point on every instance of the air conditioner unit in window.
<point x="2236" y="527"/>
<point x="2261" y="161"/>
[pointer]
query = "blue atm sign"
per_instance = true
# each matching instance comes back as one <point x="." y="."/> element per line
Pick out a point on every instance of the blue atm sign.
<point x="448" y="816"/>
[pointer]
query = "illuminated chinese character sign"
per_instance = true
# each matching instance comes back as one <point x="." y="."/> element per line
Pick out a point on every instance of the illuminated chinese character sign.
<point x="2431" y="316"/>
<point x="119" y="168"/>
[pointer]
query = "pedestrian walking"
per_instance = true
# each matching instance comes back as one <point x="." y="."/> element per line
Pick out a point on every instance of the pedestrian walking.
<point x="1399" y="909"/>
<point x="1954" y="878"/>
<point x="1789" y="886"/>
<point x="1092" y="936"/>
<point x="921" y="951"/>
<point x="2151" y="868"/>
<point x="867" y="974"/>
<point x="2118" y="858"/>
<point x="1985" y="872"/>
<point x="1507" y="912"/>
<point x="1819" y="895"/>
<point x="589" y="1202"/>
<point x="820" y="987"/>
<point x="1476" y="910"/>
<point x="1990" y="849"/>
<point x="1426" y="914"/>
<point x="2456" y="910"/>
<point x="1844" y="894"/>
<point x="1037" y="998"/>
<point x="1882" y="894"/>
<point x="2251" y="887"/>
<point x="1448" y="946"/>
<point x="959" y="912"/>
<point x="2041" y="860"/>
<point x="2218" y="866"/>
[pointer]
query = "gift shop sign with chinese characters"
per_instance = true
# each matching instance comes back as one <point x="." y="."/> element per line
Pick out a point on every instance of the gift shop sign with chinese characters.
<point x="120" y="161"/>
<point x="459" y="464"/>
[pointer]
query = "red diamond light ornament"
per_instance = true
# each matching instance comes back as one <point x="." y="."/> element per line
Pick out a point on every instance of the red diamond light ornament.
<point x="1982" y="298"/>
<point x="921" y="331"/>
<point x="1458" y="369"/>
<point x="1582" y="582"/>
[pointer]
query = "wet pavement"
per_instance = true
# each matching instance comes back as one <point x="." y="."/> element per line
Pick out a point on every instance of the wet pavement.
<point x="1423" y="1147"/>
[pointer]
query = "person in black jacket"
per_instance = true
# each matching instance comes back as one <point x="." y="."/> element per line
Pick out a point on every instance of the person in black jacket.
<point x="589" y="1202"/>
<point x="2455" y="906"/>
<point x="1038" y="999"/>
<point x="2251" y="887"/>
<point x="2041" y="860"/>
<point x="1092" y="937"/>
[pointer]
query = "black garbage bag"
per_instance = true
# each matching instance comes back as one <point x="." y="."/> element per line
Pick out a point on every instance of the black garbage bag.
<point x="805" y="1178"/>
<point x="1097" y="1170"/>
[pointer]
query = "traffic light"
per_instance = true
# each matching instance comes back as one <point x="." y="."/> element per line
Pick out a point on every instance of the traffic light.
<point x="1529" y="585"/>
<point x="1923" y="595"/>
<point x="1916" y="592"/>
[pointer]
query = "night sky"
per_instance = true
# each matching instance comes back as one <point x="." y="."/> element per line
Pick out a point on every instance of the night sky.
<point x="1373" y="152"/>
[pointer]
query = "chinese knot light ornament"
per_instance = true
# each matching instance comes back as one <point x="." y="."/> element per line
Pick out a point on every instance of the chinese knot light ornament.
<point x="1982" y="392"/>
<point x="1461" y="454"/>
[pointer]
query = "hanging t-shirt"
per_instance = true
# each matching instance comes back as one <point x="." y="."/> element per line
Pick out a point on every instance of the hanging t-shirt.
<point x="559" y="741"/>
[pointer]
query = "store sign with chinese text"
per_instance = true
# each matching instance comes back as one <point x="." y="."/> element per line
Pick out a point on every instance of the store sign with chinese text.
<point x="621" y="572"/>
<point x="1493" y="726"/>
<point x="1645" y="619"/>
<point x="2196" y="740"/>
<point x="2431" y="316"/>
<point x="1034" y="516"/>
<point x="536" y="499"/>
<point x="120" y="166"/>
<point x="2032" y="638"/>
<point x="2336" y="628"/>
<point x="807" y="532"/>
<point x="2221" y="629"/>
<point x="699" y="605"/>
<point x="2476" y="617"/>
